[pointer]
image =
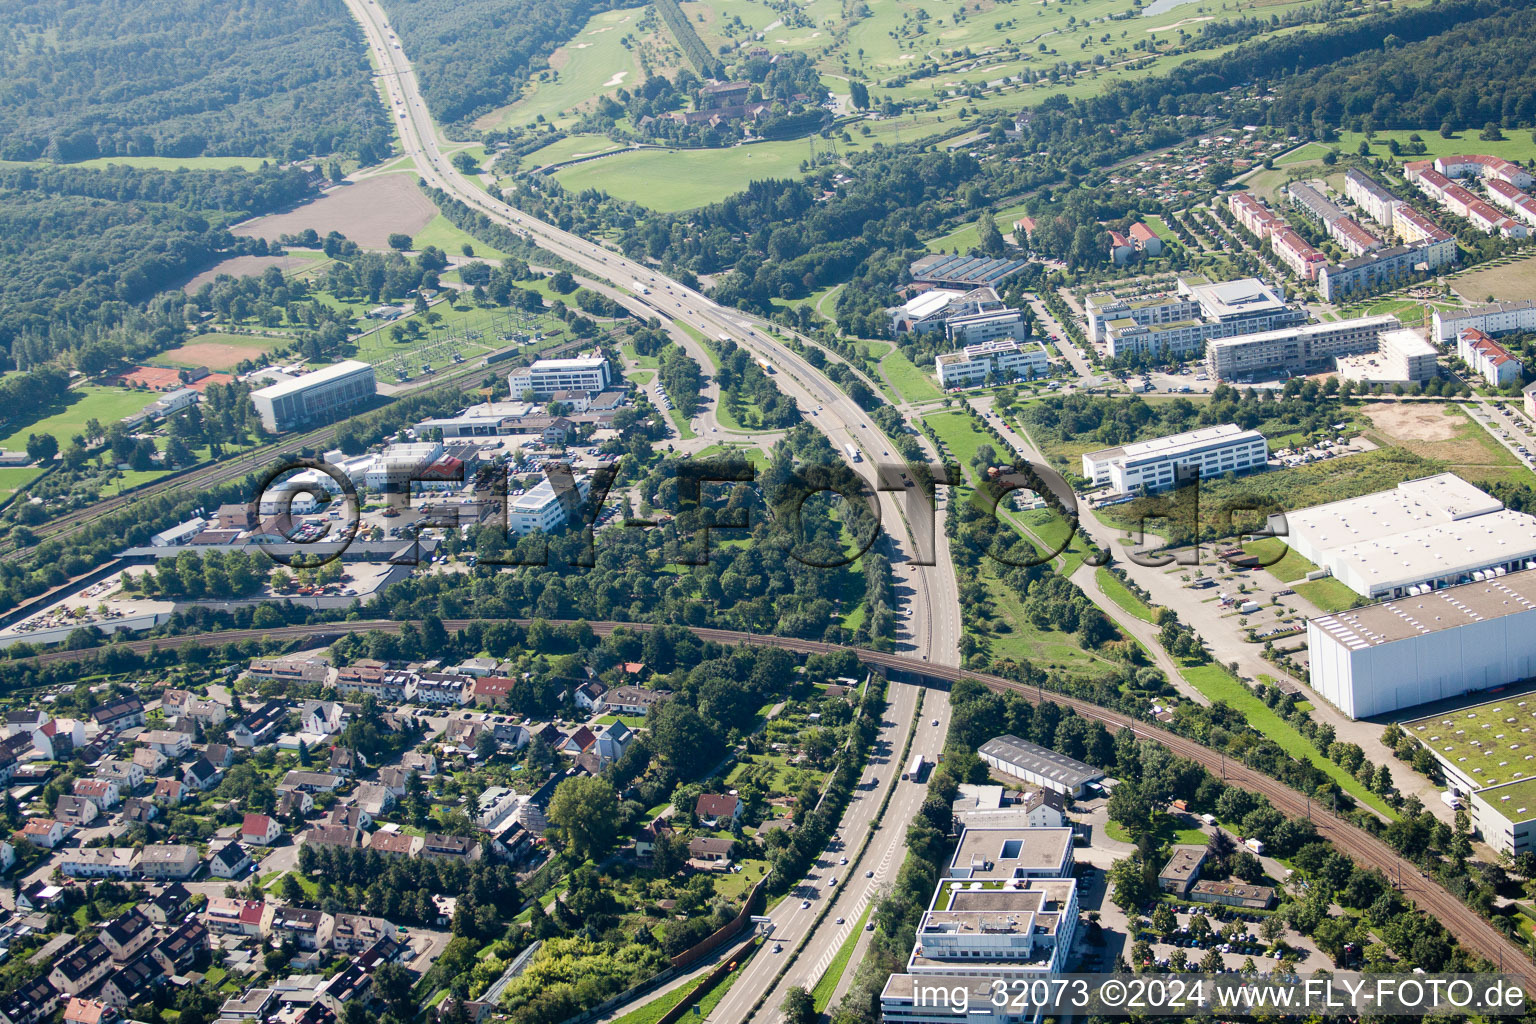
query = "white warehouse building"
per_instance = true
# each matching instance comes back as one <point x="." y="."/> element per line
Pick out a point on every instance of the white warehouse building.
<point x="1038" y="765"/>
<point x="1006" y="358"/>
<point x="1426" y="647"/>
<point x="1163" y="462"/>
<point x="547" y="377"/>
<point x="1432" y="532"/>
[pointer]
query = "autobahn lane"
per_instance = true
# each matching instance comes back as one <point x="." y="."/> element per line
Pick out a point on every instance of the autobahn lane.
<point x="934" y="621"/>
<point x="1462" y="921"/>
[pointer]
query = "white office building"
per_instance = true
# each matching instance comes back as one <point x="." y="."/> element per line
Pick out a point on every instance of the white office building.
<point x="1428" y="533"/>
<point x="1401" y="357"/>
<point x="1427" y="646"/>
<point x="543" y="508"/>
<point x="391" y="471"/>
<point x="314" y="397"/>
<point x="1295" y="349"/>
<point x="1005" y="359"/>
<point x="980" y="328"/>
<point x="547" y="377"/>
<point x="1180" y="323"/>
<point x="1163" y="462"/>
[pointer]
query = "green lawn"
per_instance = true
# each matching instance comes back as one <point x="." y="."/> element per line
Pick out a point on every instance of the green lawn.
<point x="1285" y="564"/>
<point x="668" y="180"/>
<point x="1516" y="146"/>
<point x="821" y="995"/>
<point x="681" y="423"/>
<point x="1166" y="830"/>
<point x="912" y="383"/>
<point x="1117" y="592"/>
<point x="633" y="721"/>
<point x="569" y="148"/>
<point x="1328" y="594"/>
<point x="443" y="233"/>
<point x="1215" y="683"/>
<point x="67" y="417"/>
<point x="159" y="163"/>
<point x="15" y="478"/>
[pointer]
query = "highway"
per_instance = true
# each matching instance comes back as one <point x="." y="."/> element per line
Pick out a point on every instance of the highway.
<point x="928" y="592"/>
<point x="1469" y="928"/>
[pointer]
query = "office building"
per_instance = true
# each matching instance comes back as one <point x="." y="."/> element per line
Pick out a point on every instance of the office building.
<point x="1493" y="320"/>
<point x="1180" y="323"/>
<point x="1401" y="357"/>
<point x="315" y="397"/>
<point x="1431" y="646"/>
<point x="1038" y="765"/>
<point x="1487" y="358"/>
<point x="995" y="854"/>
<point x="1001" y="360"/>
<point x="931" y="310"/>
<point x="1295" y="349"/>
<point x="1371" y="196"/>
<point x="1432" y="532"/>
<point x="1164" y="462"/>
<point x="546" y="377"/>
<point x="980" y="328"/>
<point x="544" y="508"/>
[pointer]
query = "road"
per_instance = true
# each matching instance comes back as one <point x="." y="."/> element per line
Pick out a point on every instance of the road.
<point x="929" y="592"/>
<point x="1475" y="933"/>
<point x="795" y="916"/>
<point x="873" y="874"/>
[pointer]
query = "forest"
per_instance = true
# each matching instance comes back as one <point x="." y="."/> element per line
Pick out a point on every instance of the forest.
<point x="82" y="252"/>
<point x="283" y="79"/>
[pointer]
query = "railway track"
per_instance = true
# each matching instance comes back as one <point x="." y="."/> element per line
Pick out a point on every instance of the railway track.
<point x="1469" y="928"/>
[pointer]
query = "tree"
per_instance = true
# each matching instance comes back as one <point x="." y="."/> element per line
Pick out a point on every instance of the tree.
<point x="858" y="94"/>
<point x="1491" y="132"/>
<point x="42" y="447"/>
<point x="400" y="241"/>
<point x="585" y="812"/>
<point x="799" y="1007"/>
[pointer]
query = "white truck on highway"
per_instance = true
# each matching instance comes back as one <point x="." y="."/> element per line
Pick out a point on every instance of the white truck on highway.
<point x="640" y="288"/>
<point x="853" y="453"/>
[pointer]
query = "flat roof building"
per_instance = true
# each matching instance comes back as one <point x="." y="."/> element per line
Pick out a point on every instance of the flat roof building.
<point x="1401" y="357"/>
<point x="1181" y="322"/>
<point x="1182" y="869"/>
<point x="1039" y="765"/>
<point x="1165" y="462"/>
<point x="1487" y="753"/>
<point x="1001" y="853"/>
<point x="1493" y="319"/>
<point x="964" y="272"/>
<point x="548" y="377"/>
<point x="1001" y="360"/>
<point x="1435" y="531"/>
<point x="543" y="508"/>
<point x="1429" y="646"/>
<point x="1294" y="349"/>
<point x="314" y="397"/>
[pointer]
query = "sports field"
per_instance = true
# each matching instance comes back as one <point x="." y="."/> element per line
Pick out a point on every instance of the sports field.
<point x="219" y="351"/>
<point x="67" y="418"/>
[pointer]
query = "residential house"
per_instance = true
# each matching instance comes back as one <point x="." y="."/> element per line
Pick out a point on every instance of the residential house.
<point x="44" y="832"/>
<point x="225" y="916"/>
<point x="126" y="934"/>
<point x="322" y="717"/>
<point x="393" y="844"/>
<point x="220" y="755"/>
<point x="294" y="804"/>
<point x="416" y="760"/>
<point x="229" y="861"/>
<point x="632" y="700"/>
<point x="201" y="775"/>
<point x="492" y="691"/>
<point x="349" y="815"/>
<point x="257" y="1004"/>
<point x="442" y="689"/>
<point x="589" y="696"/>
<point x="259" y="830"/>
<point x="101" y="792"/>
<point x="308" y="929"/>
<point x="38" y="896"/>
<point x="374" y="798"/>
<point x="170" y="792"/>
<point x="89" y="1011"/>
<point x="162" y="861"/>
<point x="462" y="848"/>
<point x="126" y="774"/>
<point x="353" y="933"/>
<point x="354" y="981"/>
<point x="75" y="811"/>
<point x="134" y="983"/>
<point x="120" y="713"/>
<point x="149" y="759"/>
<point x="710" y="853"/>
<point x="169" y="742"/>
<point x="205" y="713"/>
<point x="259" y="727"/>
<point x="7" y="856"/>
<point x="168" y="905"/>
<point x="306" y="668"/>
<point x="396" y="780"/>
<point x="79" y="967"/>
<point x="179" y="950"/>
<point x="612" y="740"/>
<point x="100" y="862"/>
<point x="31" y="1002"/>
<point x="717" y="810"/>
<point x="339" y="836"/>
<point x="310" y="782"/>
<point x="645" y="843"/>
<point x="346" y="762"/>
<point x="578" y="741"/>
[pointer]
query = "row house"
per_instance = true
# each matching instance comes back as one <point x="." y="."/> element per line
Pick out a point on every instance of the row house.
<point x="134" y="983"/>
<point x="260" y="727"/>
<point x="168" y="861"/>
<point x="100" y="862"/>
<point x="80" y="966"/>
<point x="120" y="713"/>
<point x="353" y="933"/>
<point x="125" y="935"/>
<point x="443" y="689"/>
<point x="179" y="950"/>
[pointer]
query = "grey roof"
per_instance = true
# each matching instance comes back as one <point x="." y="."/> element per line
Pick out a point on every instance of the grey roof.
<point x="1041" y="761"/>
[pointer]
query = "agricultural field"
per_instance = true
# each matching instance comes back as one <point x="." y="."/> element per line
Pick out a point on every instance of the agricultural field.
<point x="367" y="212"/>
<point x="295" y="261"/>
<point x="107" y="405"/>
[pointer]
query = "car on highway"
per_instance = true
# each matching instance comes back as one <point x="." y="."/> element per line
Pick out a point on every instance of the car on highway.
<point x="935" y="721"/>
<point x="869" y="874"/>
<point x="778" y="947"/>
<point x="839" y="920"/>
